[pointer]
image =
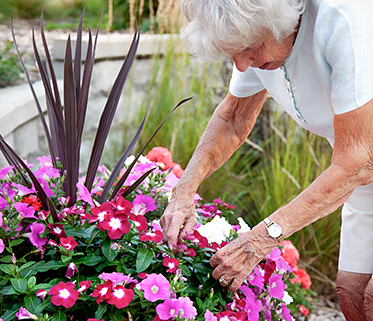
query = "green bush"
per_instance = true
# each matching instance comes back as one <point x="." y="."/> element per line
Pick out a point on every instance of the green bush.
<point x="10" y="67"/>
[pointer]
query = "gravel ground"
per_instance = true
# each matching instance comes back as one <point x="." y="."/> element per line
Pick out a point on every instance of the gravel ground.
<point x="325" y="310"/>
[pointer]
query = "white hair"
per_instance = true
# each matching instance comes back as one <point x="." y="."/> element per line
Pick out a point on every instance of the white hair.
<point x="216" y="27"/>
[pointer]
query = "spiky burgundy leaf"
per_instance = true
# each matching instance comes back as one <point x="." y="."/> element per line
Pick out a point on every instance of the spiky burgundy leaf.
<point x="137" y="183"/>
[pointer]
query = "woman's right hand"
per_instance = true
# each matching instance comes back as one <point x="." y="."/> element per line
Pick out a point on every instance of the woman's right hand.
<point x="179" y="217"/>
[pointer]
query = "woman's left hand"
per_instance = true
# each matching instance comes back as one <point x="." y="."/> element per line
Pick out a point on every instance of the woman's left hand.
<point x="236" y="260"/>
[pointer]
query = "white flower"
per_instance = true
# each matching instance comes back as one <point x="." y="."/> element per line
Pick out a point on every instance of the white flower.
<point x="243" y="226"/>
<point x="217" y="230"/>
<point x="287" y="298"/>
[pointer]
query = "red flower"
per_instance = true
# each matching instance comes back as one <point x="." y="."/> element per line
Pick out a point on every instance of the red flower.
<point x="33" y="201"/>
<point x="64" y="294"/>
<point x="171" y="263"/>
<point x="84" y="285"/>
<point x="139" y="221"/>
<point x="57" y="229"/>
<point x="99" y="214"/>
<point x="123" y="205"/>
<point x="116" y="225"/>
<point x="289" y="253"/>
<point x="155" y="236"/>
<point x="103" y="291"/>
<point x="71" y="270"/>
<point x="185" y="249"/>
<point x="301" y="276"/>
<point x="202" y="241"/>
<point x="305" y="311"/>
<point x="68" y="243"/>
<point x="142" y="275"/>
<point x="177" y="170"/>
<point x="160" y="155"/>
<point x="120" y="297"/>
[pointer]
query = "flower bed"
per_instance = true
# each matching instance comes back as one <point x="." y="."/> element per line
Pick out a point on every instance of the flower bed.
<point x="107" y="261"/>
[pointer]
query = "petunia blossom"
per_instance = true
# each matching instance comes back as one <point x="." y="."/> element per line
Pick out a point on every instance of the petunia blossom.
<point x="23" y="314"/>
<point x="187" y="310"/>
<point x="35" y="238"/>
<point x="156" y="287"/>
<point x="143" y="204"/>
<point x="168" y="309"/>
<point x="209" y="316"/>
<point x="4" y="172"/>
<point x="120" y="297"/>
<point x="276" y="286"/>
<point x="64" y="294"/>
<point x="115" y="277"/>
<point x="2" y="246"/>
<point x="24" y="210"/>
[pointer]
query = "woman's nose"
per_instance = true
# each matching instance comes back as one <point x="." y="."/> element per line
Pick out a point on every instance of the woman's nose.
<point x="242" y="61"/>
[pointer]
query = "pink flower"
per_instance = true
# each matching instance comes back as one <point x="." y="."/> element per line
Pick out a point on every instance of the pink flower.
<point x="120" y="297"/>
<point x="187" y="310"/>
<point x="3" y="204"/>
<point x="84" y="285"/>
<point x="171" y="263"/>
<point x="2" y="246"/>
<point x="252" y="306"/>
<point x="115" y="277"/>
<point x="4" y="171"/>
<point x="116" y="225"/>
<point x="103" y="291"/>
<point x="123" y="205"/>
<point x="45" y="187"/>
<point x="289" y="253"/>
<point x="256" y="278"/>
<point x="68" y="243"/>
<point x="301" y="276"/>
<point x="45" y="160"/>
<point x="57" y="229"/>
<point x="156" y="236"/>
<point x="24" y="314"/>
<point x="160" y="155"/>
<point x="285" y="312"/>
<point x="140" y="222"/>
<point x="155" y="287"/>
<point x="64" y="294"/>
<point x="99" y="213"/>
<point x="24" y="210"/>
<point x="41" y="294"/>
<point x="71" y="270"/>
<point x="84" y="194"/>
<point x="143" y="204"/>
<point x="209" y="316"/>
<point x="305" y="311"/>
<point x="169" y="308"/>
<point x="218" y="201"/>
<point x="276" y="286"/>
<point x="35" y="238"/>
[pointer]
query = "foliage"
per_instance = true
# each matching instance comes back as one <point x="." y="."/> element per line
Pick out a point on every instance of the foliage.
<point x="107" y="261"/>
<point x="24" y="9"/>
<point x="10" y="68"/>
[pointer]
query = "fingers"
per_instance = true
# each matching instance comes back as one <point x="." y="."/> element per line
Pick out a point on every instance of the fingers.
<point x="189" y="225"/>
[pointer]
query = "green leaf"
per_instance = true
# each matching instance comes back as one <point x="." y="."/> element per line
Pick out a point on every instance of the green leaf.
<point x="202" y="268"/>
<point x="185" y="270"/>
<point x="20" y="285"/>
<point x="109" y="253"/>
<point x="143" y="260"/>
<point x="81" y="232"/>
<point x="66" y="259"/>
<point x="7" y="269"/>
<point x="25" y="266"/>
<point x="58" y="316"/>
<point x="28" y="273"/>
<point x="43" y="286"/>
<point x="31" y="282"/>
<point x="209" y="284"/>
<point x="116" y="316"/>
<point x="10" y="315"/>
<point x="44" y="267"/>
<point x="6" y="259"/>
<point x="8" y="290"/>
<point x="90" y="260"/>
<point x="16" y="242"/>
<point x="102" y="308"/>
<point x="32" y="304"/>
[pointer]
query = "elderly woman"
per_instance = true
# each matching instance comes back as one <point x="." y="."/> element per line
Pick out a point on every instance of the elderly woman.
<point x="315" y="58"/>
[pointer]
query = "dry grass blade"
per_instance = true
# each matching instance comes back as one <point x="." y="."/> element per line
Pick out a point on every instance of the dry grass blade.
<point x="109" y="112"/>
<point x="120" y="163"/>
<point x="72" y="154"/>
<point x="128" y="171"/>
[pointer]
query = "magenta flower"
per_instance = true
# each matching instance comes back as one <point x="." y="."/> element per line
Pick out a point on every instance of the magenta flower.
<point x="209" y="316"/>
<point x="140" y="222"/>
<point x="276" y="286"/>
<point x="64" y="294"/>
<point x="169" y="308"/>
<point x="252" y="306"/>
<point x="68" y="243"/>
<point x="57" y="229"/>
<point x="103" y="291"/>
<point x="187" y="310"/>
<point x="84" y="194"/>
<point x="45" y="186"/>
<point x="143" y="204"/>
<point x="116" y="225"/>
<point x="156" y="236"/>
<point x="41" y="294"/>
<point x="3" y="204"/>
<point x="4" y="172"/>
<point x="155" y="287"/>
<point x="35" y="238"/>
<point x="115" y="277"/>
<point x="120" y="297"/>
<point x="23" y="314"/>
<point x="285" y="313"/>
<point x="99" y="213"/>
<point x="24" y="210"/>
<point x="256" y="278"/>
<point x="2" y="246"/>
<point x="45" y="160"/>
<point x="84" y="285"/>
<point x="23" y="190"/>
<point x="71" y="270"/>
<point x="171" y="263"/>
<point x="1" y="217"/>
<point x="123" y="205"/>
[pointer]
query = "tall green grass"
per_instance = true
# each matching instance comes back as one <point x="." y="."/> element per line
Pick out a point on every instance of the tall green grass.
<point x="273" y="166"/>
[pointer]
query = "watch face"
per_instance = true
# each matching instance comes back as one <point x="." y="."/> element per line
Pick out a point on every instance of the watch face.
<point x="274" y="230"/>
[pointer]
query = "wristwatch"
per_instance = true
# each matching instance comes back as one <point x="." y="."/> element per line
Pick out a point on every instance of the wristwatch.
<point x="274" y="230"/>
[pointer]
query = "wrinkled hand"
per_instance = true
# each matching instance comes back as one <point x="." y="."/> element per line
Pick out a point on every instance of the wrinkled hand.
<point x="180" y="213"/>
<point x="236" y="260"/>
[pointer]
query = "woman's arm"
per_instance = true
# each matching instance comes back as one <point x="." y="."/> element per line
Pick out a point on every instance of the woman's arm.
<point x="227" y="129"/>
<point x="352" y="166"/>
